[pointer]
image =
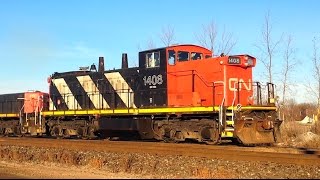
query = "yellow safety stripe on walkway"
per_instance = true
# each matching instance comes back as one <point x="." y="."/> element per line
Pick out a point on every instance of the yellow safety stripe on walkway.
<point x="137" y="111"/>
<point x="134" y="111"/>
<point x="230" y="122"/>
<point x="9" y="115"/>
<point x="253" y="108"/>
<point x="227" y="134"/>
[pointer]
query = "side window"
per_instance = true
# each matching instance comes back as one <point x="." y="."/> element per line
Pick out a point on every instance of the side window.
<point x="171" y="57"/>
<point x="196" y="55"/>
<point x="153" y="59"/>
<point x="183" y="56"/>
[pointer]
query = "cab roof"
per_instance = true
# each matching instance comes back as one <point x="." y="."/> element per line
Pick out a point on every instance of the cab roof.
<point x="177" y="45"/>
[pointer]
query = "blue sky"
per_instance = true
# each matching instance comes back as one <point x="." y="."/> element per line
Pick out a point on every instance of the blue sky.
<point x="39" y="37"/>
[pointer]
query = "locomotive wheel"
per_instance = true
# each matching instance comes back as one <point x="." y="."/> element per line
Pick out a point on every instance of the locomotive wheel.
<point x="82" y="133"/>
<point x="1" y="131"/>
<point x="6" y="131"/>
<point x="214" y="136"/>
<point x="56" y="131"/>
<point x="66" y="133"/>
<point x="17" y="131"/>
<point x="176" y="136"/>
<point x="91" y="131"/>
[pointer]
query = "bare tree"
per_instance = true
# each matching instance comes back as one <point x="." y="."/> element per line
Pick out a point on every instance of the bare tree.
<point x="139" y="47"/>
<point x="314" y="88"/>
<point x="316" y="65"/>
<point x="208" y="38"/>
<point x="289" y="64"/>
<point x="267" y="46"/>
<point x="135" y="63"/>
<point x="227" y="42"/>
<point x="150" y="44"/>
<point x="167" y="35"/>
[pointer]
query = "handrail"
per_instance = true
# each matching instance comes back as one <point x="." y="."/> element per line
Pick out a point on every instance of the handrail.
<point x="20" y="114"/>
<point x="40" y="118"/>
<point x="234" y="100"/>
<point x="197" y="73"/>
<point x="213" y="93"/>
<point x="36" y="111"/>
<point x="220" y="109"/>
<point x="220" y="115"/>
<point x="220" y="106"/>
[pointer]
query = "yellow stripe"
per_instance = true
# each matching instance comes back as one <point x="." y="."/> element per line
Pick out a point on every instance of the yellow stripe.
<point x="230" y="122"/>
<point x="9" y="115"/>
<point x="227" y="134"/>
<point x="253" y="108"/>
<point x="179" y="110"/>
<point x="148" y="110"/>
<point x="133" y="111"/>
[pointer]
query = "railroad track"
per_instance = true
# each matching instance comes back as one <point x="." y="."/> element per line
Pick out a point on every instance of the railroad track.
<point x="226" y="152"/>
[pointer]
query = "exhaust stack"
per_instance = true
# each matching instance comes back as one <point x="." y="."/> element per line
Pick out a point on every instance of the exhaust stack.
<point x="101" y="65"/>
<point x="124" y="61"/>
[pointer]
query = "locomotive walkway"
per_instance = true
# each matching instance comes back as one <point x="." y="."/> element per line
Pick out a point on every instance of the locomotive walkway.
<point x="226" y="152"/>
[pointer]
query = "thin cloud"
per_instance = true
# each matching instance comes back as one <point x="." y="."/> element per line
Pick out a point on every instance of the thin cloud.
<point x="77" y="50"/>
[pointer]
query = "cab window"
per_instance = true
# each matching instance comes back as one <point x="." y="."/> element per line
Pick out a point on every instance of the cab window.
<point x="183" y="56"/>
<point x="196" y="55"/>
<point x="153" y="59"/>
<point x="171" y="57"/>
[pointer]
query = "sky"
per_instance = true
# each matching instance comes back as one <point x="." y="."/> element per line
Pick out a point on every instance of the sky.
<point x="38" y="38"/>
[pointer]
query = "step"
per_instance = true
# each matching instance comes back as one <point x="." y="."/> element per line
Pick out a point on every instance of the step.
<point x="228" y="129"/>
<point x="230" y="122"/>
<point x="227" y="134"/>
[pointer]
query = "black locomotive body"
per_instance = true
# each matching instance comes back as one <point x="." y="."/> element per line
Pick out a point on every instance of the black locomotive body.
<point x="11" y="103"/>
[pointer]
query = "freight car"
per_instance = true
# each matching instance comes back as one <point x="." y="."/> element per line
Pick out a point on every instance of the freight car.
<point x="20" y="113"/>
<point x="176" y="93"/>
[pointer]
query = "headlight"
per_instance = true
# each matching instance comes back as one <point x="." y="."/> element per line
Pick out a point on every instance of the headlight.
<point x="250" y="62"/>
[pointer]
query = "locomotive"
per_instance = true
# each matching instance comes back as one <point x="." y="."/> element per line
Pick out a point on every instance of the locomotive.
<point x="177" y="93"/>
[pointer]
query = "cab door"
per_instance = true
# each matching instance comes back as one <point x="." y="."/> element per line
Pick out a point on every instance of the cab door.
<point x="153" y="81"/>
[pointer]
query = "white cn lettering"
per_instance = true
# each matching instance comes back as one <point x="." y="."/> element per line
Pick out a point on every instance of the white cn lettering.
<point x="233" y="84"/>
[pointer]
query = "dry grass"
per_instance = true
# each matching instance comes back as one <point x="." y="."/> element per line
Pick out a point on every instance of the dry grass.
<point x="294" y="134"/>
<point x="316" y="128"/>
<point x="291" y="130"/>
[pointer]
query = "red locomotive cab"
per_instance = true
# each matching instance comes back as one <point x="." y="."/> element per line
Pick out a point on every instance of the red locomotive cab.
<point x="35" y="101"/>
<point x="190" y="76"/>
<point x="195" y="78"/>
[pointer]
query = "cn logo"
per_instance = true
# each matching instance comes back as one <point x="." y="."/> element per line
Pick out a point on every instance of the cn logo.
<point x="233" y="84"/>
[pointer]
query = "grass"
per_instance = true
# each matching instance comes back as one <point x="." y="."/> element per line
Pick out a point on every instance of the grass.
<point x="294" y="134"/>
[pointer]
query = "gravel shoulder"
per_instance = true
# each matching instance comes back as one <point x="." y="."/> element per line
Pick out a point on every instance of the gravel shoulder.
<point x="56" y="159"/>
<point x="15" y="170"/>
<point x="95" y="165"/>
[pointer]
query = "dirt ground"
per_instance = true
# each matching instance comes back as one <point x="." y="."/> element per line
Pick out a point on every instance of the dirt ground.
<point x="20" y="161"/>
<point x="14" y="170"/>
